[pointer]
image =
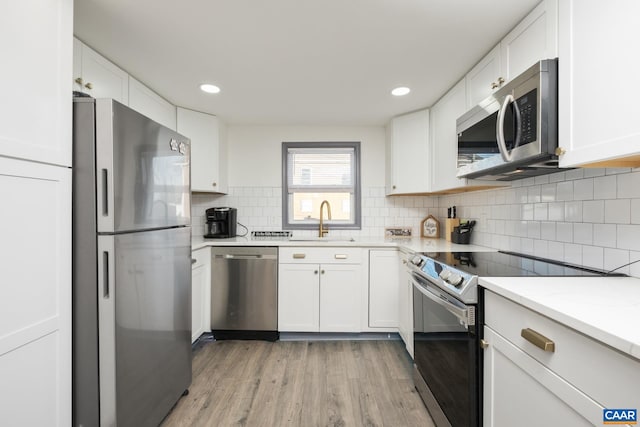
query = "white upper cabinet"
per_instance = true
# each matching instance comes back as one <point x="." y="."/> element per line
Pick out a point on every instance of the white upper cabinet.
<point x="533" y="39"/>
<point x="145" y="101"/>
<point x="484" y="78"/>
<point x="408" y="154"/>
<point x="444" y="139"/>
<point x="95" y="75"/>
<point x="598" y="87"/>
<point x="208" y="150"/>
<point x="35" y="88"/>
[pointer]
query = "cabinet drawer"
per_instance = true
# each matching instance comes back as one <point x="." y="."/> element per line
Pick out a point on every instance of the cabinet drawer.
<point x="312" y="255"/>
<point x="606" y="375"/>
<point x="201" y="256"/>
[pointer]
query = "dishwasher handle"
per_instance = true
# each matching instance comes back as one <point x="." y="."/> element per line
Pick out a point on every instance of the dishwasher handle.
<point x="246" y="256"/>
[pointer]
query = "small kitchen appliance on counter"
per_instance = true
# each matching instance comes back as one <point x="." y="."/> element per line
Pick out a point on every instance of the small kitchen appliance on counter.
<point x="221" y="223"/>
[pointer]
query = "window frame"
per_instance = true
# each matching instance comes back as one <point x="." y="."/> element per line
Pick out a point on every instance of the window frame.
<point x="357" y="194"/>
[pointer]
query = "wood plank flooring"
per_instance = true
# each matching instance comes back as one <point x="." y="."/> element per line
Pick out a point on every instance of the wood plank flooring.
<point x="301" y="383"/>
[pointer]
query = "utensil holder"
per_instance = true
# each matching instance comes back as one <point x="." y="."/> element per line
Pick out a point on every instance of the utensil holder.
<point x="460" y="238"/>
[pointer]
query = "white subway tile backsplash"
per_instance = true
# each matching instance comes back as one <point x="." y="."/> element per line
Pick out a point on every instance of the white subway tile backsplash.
<point x="593" y="211"/>
<point x="575" y="174"/>
<point x="564" y="191"/>
<point x="564" y="232"/>
<point x="593" y="256"/>
<point x="605" y="187"/>
<point x="583" y="233"/>
<point x="589" y="216"/>
<point x="573" y="253"/>
<point x="617" y="211"/>
<point x="583" y="189"/>
<point x="548" y="230"/>
<point x="635" y="211"/>
<point x="573" y="211"/>
<point x="556" y="211"/>
<point x="605" y="235"/>
<point x="628" y="185"/>
<point x="628" y="237"/>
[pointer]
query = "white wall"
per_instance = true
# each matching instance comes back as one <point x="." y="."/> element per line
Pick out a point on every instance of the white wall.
<point x="255" y="152"/>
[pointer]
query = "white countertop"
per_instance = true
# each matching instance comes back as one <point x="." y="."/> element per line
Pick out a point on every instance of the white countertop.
<point x="604" y="308"/>
<point x="414" y="244"/>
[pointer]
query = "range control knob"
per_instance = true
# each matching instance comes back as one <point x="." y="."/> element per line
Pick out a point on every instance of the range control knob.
<point x="444" y="275"/>
<point x="417" y="261"/>
<point x="455" y="279"/>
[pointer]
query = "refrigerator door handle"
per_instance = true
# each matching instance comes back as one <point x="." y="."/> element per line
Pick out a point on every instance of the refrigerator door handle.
<point x="106" y="330"/>
<point x="105" y="193"/>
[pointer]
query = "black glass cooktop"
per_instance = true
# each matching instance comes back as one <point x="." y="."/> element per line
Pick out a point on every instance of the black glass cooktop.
<point x="510" y="264"/>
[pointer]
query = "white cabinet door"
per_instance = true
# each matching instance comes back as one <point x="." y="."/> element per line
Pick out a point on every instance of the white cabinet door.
<point x="408" y="148"/>
<point x="35" y="295"/>
<point x="206" y="133"/>
<point x="298" y="298"/>
<point x="98" y="76"/>
<point x="484" y="79"/>
<point x="200" y="292"/>
<point x="340" y="297"/>
<point x="520" y="391"/>
<point x="533" y="39"/>
<point x="444" y="140"/>
<point x="383" y="289"/>
<point x="145" y="101"/>
<point x="35" y="90"/>
<point x="598" y="93"/>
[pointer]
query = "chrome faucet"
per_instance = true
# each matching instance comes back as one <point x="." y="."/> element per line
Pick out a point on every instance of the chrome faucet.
<point x="322" y="230"/>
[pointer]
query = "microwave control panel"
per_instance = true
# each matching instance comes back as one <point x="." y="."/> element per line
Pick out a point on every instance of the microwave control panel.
<point x="527" y="106"/>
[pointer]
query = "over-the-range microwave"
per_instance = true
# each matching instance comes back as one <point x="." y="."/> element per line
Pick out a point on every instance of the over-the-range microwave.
<point x="513" y="134"/>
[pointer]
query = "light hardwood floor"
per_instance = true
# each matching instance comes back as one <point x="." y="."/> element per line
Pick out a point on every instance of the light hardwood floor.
<point x="300" y="383"/>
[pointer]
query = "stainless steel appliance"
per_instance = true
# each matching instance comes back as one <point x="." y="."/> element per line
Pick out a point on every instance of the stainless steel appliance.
<point x="131" y="266"/>
<point x="513" y="134"/>
<point x="448" y="319"/>
<point x="221" y="223"/>
<point x="244" y="292"/>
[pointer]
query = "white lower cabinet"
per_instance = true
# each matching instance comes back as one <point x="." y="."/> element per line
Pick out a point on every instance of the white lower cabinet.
<point x="200" y="292"/>
<point x="319" y="290"/>
<point x="525" y="385"/>
<point x="383" y="288"/>
<point x="405" y="303"/>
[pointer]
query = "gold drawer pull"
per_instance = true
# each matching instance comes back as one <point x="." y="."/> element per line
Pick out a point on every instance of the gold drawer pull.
<point x="299" y="256"/>
<point x="340" y="256"/>
<point x="538" y="340"/>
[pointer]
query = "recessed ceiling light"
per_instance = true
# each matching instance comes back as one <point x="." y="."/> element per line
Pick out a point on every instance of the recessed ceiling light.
<point x="400" y="91"/>
<point x="209" y="88"/>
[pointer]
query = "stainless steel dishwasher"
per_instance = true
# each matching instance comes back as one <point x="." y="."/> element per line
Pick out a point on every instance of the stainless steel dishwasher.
<point x="244" y="292"/>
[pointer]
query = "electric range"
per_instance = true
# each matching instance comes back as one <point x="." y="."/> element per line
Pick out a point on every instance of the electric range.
<point x="448" y="321"/>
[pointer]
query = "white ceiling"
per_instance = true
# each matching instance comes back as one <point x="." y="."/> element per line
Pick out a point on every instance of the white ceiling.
<point x="298" y="61"/>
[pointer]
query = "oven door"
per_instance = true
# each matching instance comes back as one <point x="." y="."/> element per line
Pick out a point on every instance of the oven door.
<point x="446" y="355"/>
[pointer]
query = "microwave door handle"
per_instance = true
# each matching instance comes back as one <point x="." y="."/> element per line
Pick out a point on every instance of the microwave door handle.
<point x="502" y="146"/>
<point x="516" y="113"/>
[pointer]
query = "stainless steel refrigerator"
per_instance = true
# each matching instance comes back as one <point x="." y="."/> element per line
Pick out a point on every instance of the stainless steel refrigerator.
<point x="131" y="266"/>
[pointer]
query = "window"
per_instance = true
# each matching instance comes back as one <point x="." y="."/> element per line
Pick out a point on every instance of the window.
<point x="316" y="171"/>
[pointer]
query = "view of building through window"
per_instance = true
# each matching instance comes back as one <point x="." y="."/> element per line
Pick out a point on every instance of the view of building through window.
<point x="315" y="172"/>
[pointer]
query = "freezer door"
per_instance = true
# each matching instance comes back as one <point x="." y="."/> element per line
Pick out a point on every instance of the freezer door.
<point x="144" y="298"/>
<point x="142" y="171"/>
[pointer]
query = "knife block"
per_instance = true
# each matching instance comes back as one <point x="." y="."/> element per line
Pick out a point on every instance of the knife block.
<point x="448" y="227"/>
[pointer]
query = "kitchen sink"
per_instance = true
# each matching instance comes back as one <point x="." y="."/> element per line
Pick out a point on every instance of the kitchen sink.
<point x="321" y="239"/>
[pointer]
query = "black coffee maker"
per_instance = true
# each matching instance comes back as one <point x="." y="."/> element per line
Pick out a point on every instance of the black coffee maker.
<point x="221" y="223"/>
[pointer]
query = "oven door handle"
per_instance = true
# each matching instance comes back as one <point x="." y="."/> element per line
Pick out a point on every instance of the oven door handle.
<point x="460" y="313"/>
